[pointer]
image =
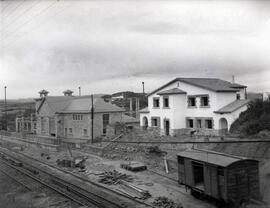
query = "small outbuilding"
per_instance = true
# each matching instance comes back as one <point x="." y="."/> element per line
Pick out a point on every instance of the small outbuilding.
<point x="221" y="176"/>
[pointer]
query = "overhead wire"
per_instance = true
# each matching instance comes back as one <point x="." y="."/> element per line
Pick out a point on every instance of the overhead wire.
<point x="6" y="6"/>
<point x="29" y="20"/>
<point x="13" y="10"/>
<point x="19" y="17"/>
<point x="11" y="43"/>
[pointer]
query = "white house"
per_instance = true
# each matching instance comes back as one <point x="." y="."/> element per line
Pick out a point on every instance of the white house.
<point x="207" y="105"/>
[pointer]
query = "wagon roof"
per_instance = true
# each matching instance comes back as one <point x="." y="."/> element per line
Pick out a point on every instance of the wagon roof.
<point x="211" y="157"/>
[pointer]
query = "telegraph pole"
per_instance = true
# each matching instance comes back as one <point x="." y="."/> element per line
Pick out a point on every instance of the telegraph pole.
<point x="79" y="91"/>
<point x="5" y="108"/>
<point x="92" y="119"/>
<point x="143" y="87"/>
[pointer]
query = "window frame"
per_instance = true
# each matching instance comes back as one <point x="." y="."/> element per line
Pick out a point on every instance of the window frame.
<point x="168" y="102"/>
<point x="197" y="123"/>
<point x="156" y="99"/>
<point x="105" y="123"/>
<point x="206" y="123"/>
<point x="157" y="121"/>
<point x="189" y="103"/>
<point x="202" y="101"/>
<point x="188" y="123"/>
<point x="85" y="132"/>
<point x="70" y="131"/>
<point x="77" y="117"/>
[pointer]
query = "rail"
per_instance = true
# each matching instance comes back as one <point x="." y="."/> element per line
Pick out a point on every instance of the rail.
<point x="115" y="193"/>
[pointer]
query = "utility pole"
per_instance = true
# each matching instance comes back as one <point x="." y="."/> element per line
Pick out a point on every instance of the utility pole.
<point x="79" y="91"/>
<point x="5" y="108"/>
<point x="92" y="119"/>
<point x="143" y="87"/>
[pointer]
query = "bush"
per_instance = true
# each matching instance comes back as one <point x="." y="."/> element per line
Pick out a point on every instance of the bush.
<point x="255" y="119"/>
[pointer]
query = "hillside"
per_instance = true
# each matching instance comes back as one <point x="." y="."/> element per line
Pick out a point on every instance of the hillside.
<point x="254" y="120"/>
<point x="15" y="107"/>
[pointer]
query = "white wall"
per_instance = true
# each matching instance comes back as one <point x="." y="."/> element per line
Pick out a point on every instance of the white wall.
<point x="179" y="109"/>
<point x="224" y="98"/>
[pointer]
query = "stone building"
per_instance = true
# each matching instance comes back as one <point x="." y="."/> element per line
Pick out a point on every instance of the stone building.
<point x="70" y="116"/>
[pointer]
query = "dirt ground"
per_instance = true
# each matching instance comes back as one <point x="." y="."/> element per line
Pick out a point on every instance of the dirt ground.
<point x="154" y="183"/>
<point x="160" y="186"/>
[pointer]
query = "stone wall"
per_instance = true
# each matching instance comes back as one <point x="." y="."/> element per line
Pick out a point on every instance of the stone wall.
<point x="199" y="132"/>
<point x="78" y="126"/>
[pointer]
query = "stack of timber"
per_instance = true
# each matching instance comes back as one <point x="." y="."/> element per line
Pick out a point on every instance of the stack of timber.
<point x="114" y="177"/>
<point x="164" y="202"/>
<point x="134" y="191"/>
<point x="133" y="166"/>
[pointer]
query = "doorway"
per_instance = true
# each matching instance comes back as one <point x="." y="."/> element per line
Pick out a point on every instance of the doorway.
<point x="167" y="127"/>
<point x="198" y="175"/>
<point x="65" y="132"/>
<point x="145" y="122"/>
<point x="223" y="126"/>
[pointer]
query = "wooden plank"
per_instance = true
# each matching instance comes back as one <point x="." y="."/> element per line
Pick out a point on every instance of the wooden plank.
<point x="214" y="182"/>
<point x="189" y="172"/>
<point x="207" y="180"/>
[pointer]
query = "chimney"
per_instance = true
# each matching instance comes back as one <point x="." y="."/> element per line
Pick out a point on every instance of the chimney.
<point x="233" y="79"/>
<point x="68" y="93"/>
<point x="43" y="93"/>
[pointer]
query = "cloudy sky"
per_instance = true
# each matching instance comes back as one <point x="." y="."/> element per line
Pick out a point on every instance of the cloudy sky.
<point x="110" y="46"/>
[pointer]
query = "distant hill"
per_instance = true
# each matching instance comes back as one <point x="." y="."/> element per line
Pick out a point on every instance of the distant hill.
<point x="14" y="108"/>
<point x="254" y="95"/>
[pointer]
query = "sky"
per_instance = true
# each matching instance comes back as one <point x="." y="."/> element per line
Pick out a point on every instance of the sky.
<point x="114" y="45"/>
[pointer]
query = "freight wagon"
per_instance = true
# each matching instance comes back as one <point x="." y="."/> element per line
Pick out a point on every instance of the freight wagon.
<point x="224" y="177"/>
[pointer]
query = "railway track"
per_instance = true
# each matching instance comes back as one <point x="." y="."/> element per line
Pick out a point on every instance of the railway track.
<point x="102" y="198"/>
<point x="38" y="183"/>
<point x="19" y="181"/>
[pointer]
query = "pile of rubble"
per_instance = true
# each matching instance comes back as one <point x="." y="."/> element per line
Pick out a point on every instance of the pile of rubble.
<point x="114" y="177"/>
<point x="164" y="202"/>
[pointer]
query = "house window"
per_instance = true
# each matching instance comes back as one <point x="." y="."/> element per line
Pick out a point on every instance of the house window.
<point x="190" y="123"/>
<point x="191" y="101"/>
<point x="70" y="130"/>
<point x="77" y="117"/>
<point x="42" y="123"/>
<point x="155" y="122"/>
<point x="85" y="132"/>
<point x="237" y="96"/>
<point x="199" y="123"/>
<point x="166" y="102"/>
<point x="106" y="121"/>
<point x="209" y="123"/>
<point x="204" y="101"/>
<point x="156" y="102"/>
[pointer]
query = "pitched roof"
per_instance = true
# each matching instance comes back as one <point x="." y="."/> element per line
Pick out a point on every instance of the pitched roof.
<point x="144" y="110"/>
<point x="129" y="119"/>
<point x="233" y="106"/>
<point x="56" y="103"/>
<point x="83" y="105"/>
<point x="211" y="157"/>
<point x="212" y="84"/>
<point x="172" y="92"/>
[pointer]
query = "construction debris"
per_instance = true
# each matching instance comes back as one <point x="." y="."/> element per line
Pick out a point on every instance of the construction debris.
<point x="114" y="177"/>
<point x="154" y="149"/>
<point x="133" y="166"/>
<point x="135" y="191"/>
<point x="164" y="202"/>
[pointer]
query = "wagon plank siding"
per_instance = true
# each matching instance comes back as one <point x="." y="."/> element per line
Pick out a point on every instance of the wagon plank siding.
<point x="225" y="177"/>
<point x="243" y="180"/>
<point x="189" y="172"/>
